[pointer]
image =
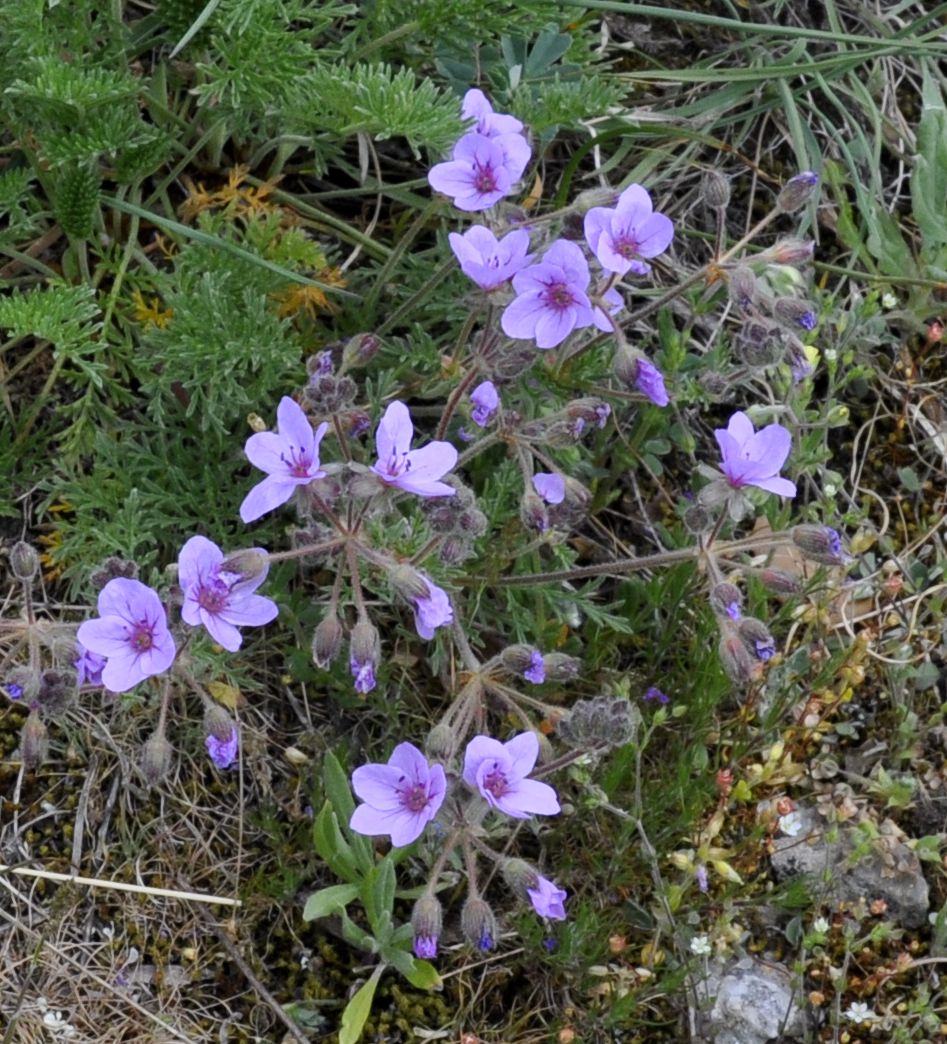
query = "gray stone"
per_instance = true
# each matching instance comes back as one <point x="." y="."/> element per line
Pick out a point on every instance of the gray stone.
<point x="891" y="871"/>
<point x="753" y="1002"/>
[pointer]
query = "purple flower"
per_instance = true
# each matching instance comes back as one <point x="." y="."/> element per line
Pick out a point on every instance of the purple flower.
<point x="131" y="632"/>
<point x="615" y="304"/>
<point x="505" y="130"/>
<point x="415" y="471"/>
<point x="654" y="693"/>
<point x="620" y="236"/>
<point x="13" y="690"/>
<point x="425" y="946"/>
<point x="551" y="487"/>
<point x="547" y="899"/>
<point x="499" y="771"/>
<point x="486" y="402"/>
<point x="290" y="458"/>
<point x="753" y="458"/>
<point x="223" y="753"/>
<point x="650" y="382"/>
<point x="490" y="262"/>
<point x="733" y="611"/>
<point x="400" y="798"/>
<point x="363" y="674"/>
<point x="701" y="873"/>
<point x="807" y="320"/>
<point x="536" y="671"/>
<point x="433" y="611"/>
<point x="477" y="176"/>
<point x="765" y="650"/>
<point x="88" y="666"/>
<point x="552" y="299"/>
<point x="219" y="599"/>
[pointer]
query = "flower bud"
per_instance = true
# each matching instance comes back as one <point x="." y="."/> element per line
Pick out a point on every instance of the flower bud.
<point x="715" y="189"/>
<point x="519" y="876"/>
<point x="218" y="723"/>
<point x="25" y="682"/>
<point x="426" y="920"/>
<point x="590" y="410"/>
<point x="155" y="758"/>
<point x="319" y="364"/>
<point x="533" y="513"/>
<point x="797" y="191"/>
<point x="518" y="659"/>
<point x="599" y="724"/>
<point x="736" y="659"/>
<point x="326" y="641"/>
<point x="742" y="288"/>
<point x="247" y="564"/>
<point x="794" y="312"/>
<point x="697" y="519"/>
<point x="594" y="197"/>
<point x="756" y="637"/>
<point x="478" y="923"/>
<point x="559" y="667"/>
<point x="24" y="561"/>
<point x="778" y="582"/>
<point x="56" y="691"/>
<point x="407" y="582"/>
<point x="820" y="543"/>
<point x="440" y="743"/>
<point x="364" y="654"/>
<point x="360" y="350"/>
<point x="714" y="383"/>
<point x="34" y="741"/>
<point x="113" y="568"/>
<point x="759" y="343"/>
<point x="790" y="252"/>
<point x="726" y="600"/>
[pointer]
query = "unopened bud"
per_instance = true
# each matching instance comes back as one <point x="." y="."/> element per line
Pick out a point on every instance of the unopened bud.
<point x="715" y="189"/>
<point x="697" y="519"/>
<point x="779" y="582"/>
<point x="440" y="743"/>
<point x="735" y="658"/>
<point x="155" y="758"/>
<point x="426" y="920"/>
<point x="743" y="288"/>
<point x="248" y="564"/>
<point x="760" y="342"/>
<point x="794" y="312"/>
<point x="113" y="569"/>
<point x="326" y="641"/>
<point x="408" y="582"/>
<point x="34" y="741"/>
<point x="589" y="410"/>
<point x="791" y="252"/>
<point x="559" y="667"/>
<point x="820" y="543"/>
<point x="533" y="513"/>
<point x="594" y="197"/>
<point x="478" y="923"/>
<point x="714" y="383"/>
<point x="57" y="690"/>
<point x="756" y="636"/>
<point x="218" y="723"/>
<point x="519" y="876"/>
<point x="518" y="659"/>
<point x="600" y="723"/>
<point x="360" y="350"/>
<point x="364" y="654"/>
<point x="25" y="682"/>
<point x="24" y="561"/>
<point x="797" y="191"/>
<point x="726" y="600"/>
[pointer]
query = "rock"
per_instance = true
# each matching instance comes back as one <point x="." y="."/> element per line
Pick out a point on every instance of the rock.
<point x="890" y="871"/>
<point x="753" y="1002"/>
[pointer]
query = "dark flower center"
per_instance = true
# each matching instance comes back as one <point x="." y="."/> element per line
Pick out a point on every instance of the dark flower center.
<point x="414" y="798"/>
<point x="627" y="247"/>
<point x="558" y="295"/>
<point x="484" y="179"/>
<point x="213" y="595"/>
<point x="496" y="783"/>
<point x="142" y="637"/>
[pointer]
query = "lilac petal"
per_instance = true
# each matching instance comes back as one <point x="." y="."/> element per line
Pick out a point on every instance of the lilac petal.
<point x="431" y="461"/>
<point x="129" y="599"/>
<point x="198" y="557"/>
<point x="554" y="326"/>
<point x="267" y="495"/>
<point x="371" y="821"/>
<point x="569" y="257"/>
<point x="597" y="221"/>
<point x="516" y="153"/>
<point x="655" y="235"/>
<point x="221" y="631"/>
<point x="408" y="827"/>
<point x="521" y="316"/>
<point x="551" y="487"/>
<point x="107" y="635"/>
<point x="729" y="446"/>
<point x="160" y="656"/>
<point x="294" y="427"/>
<point x="780" y="486"/>
<point x="741" y="427"/>
<point x="635" y="199"/>
<point x="772" y="445"/>
<point x="395" y="431"/>
<point x="609" y="258"/>
<point x="432" y="612"/>
<point x="424" y="487"/>
<point x="408" y="759"/>
<point x="266" y="450"/>
<point x="436" y="788"/>
<point x="479" y="749"/>
<point x="378" y="785"/>
<point x="122" y="673"/>
<point x="547" y="899"/>
<point x="531" y="798"/>
<point x="523" y="750"/>
<point x="249" y="610"/>
<point x="475" y="105"/>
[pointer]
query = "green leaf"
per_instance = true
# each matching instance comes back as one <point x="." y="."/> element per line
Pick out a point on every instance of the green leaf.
<point x="356" y="936"/>
<point x="337" y="787"/>
<point x="378" y="896"/>
<point x="328" y="901"/>
<point x="929" y="177"/>
<point x="424" y="976"/>
<point x="330" y="843"/>
<point x="358" y="1009"/>
<point x="550" y="46"/>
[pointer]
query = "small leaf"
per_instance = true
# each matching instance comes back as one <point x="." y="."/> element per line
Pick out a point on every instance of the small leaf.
<point x="330" y="843"/>
<point x="424" y="976"/>
<point x="328" y="901"/>
<point x="337" y="787"/>
<point x="228" y="696"/>
<point x="358" y="1009"/>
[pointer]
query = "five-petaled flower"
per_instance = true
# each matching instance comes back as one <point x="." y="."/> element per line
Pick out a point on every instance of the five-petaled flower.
<point x="552" y="299"/>
<point x="219" y="599"/>
<point x="415" y="471"/>
<point x="490" y="262"/>
<point x="499" y="770"/>
<point x="547" y="899"/>
<point x="432" y="611"/>
<point x="650" y="382"/>
<point x="400" y="798"/>
<point x="621" y="235"/>
<point x="753" y="458"/>
<point x="289" y="456"/>
<point x="476" y="176"/>
<point x="131" y="632"/>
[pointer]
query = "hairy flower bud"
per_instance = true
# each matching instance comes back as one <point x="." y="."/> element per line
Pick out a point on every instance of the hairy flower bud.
<point x="426" y="920"/>
<point x="559" y="667"/>
<point x="326" y="641"/>
<point x="726" y="600"/>
<point x="594" y="197"/>
<point x="113" y="569"/>
<point x="797" y="191"/>
<point x="34" y="741"/>
<point x="26" y="683"/>
<point x="533" y="513"/>
<point x="760" y="342"/>
<point x="517" y="659"/>
<point x="600" y="723"/>
<point x="407" y="582"/>
<point x="57" y="690"/>
<point x="820" y="543"/>
<point x="155" y="758"/>
<point x="743" y="288"/>
<point x="248" y="564"/>
<point x="364" y="654"/>
<point x="791" y="251"/>
<point x="519" y="876"/>
<point x="778" y="581"/>
<point x="794" y="312"/>
<point x="360" y="350"/>
<point x="24" y="561"/>
<point x="735" y="658"/>
<point x="478" y="923"/>
<point x="715" y="189"/>
<point x="440" y="744"/>
<point x="218" y="723"/>
<point x="755" y="635"/>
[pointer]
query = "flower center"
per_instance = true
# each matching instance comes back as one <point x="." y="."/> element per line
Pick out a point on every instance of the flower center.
<point x="397" y="464"/>
<point x="484" y="179"/>
<point x="414" y="798"/>
<point x="213" y="595"/>
<point x="559" y="296"/>
<point x="142" y="637"/>
<point x="299" y="462"/>
<point x="627" y="247"/>
<point x="496" y="783"/>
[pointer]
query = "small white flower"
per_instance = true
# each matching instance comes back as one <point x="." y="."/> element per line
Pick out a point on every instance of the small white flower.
<point x="54" y="1021"/>
<point x="791" y="824"/>
<point x="820" y="925"/>
<point x="700" y="945"/>
<point x="888" y="301"/>
<point x="859" y="1012"/>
